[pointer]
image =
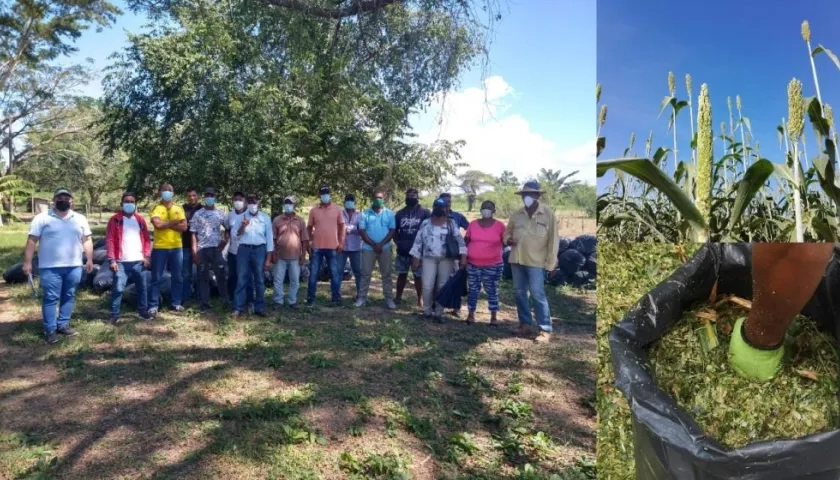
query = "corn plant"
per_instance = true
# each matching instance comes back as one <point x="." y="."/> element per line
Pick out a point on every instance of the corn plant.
<point x="738" y="194"/>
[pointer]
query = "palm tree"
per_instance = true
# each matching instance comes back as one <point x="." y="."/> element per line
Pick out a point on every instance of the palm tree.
<point x="554" y="181"/>
<point x="507" y="179"/>
<point x="11" y="186"/>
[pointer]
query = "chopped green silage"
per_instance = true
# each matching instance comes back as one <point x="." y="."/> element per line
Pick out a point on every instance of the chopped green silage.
<point x="799" y="401"/>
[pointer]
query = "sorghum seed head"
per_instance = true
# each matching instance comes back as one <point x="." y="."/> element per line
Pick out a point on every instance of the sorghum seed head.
<point x="729" y="102"/>
<point x="705" y="152"/>
<point x="796" y="110"/>
<point x="806" y="31"/>
<point x="723" y="128"/>
<point x="597" y="93"/>
<point x="632" y="139"/>
<point x="602" y="117"/>
<point x="829" y="115"/>
<point x="672" y="84"/>
<point x="738" y="102"/>
<point x="688" y="83"/>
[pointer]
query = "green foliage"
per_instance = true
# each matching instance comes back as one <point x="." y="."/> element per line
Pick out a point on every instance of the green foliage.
<point x="244" y="95"/>
<point x="379" y="466"/>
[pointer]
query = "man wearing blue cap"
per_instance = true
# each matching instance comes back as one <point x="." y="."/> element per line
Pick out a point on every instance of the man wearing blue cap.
<point x="532" y="234"/>
<point x="60" y="235"/>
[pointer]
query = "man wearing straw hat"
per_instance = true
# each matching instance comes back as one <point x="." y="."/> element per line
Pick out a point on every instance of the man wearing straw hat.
<point x="532" y="235"/>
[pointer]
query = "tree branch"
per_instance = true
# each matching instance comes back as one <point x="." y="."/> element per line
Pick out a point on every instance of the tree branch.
<point x="357" y="8"/>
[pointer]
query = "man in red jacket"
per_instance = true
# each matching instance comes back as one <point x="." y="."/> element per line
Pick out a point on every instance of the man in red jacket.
<point x="129" y="247"/>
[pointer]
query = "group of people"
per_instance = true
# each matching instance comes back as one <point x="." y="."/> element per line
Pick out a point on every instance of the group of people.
<point x="430" y="244"/>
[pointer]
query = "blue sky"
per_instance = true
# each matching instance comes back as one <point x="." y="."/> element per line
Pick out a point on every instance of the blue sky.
<point x="737" y="48"/>
<point x="541" y="83"/>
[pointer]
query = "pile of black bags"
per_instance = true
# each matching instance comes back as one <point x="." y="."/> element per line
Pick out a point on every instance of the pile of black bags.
<point x="577" y="262"/>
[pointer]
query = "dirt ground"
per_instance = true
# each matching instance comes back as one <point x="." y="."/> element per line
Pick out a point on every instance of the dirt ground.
<point x="315" y="393"/>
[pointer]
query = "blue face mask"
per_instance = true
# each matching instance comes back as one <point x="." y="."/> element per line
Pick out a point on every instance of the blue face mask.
<point x="129" y="208"/>
<point x="209" y="201"/>
<point x="166" y="196"/>
<point x="325" y="198"/>
<point x="349" y="204"/>
<point x="288" y="208"/>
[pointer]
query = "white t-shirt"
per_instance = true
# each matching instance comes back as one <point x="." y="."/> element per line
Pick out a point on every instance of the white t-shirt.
<point x="59" y="239"/>
<point x="132" y="248"/>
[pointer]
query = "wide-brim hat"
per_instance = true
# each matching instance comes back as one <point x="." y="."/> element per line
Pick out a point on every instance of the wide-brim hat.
<point x="530" y="187"/>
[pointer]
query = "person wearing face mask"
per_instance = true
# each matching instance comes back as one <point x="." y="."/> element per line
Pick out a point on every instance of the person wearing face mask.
<point x="233" y="247"/>
<point x="256" y="244"/>
<point x="327" y="233"/>
<point x="291" y="242"/>
<point x="532" y="234"/>
<point x="377" y="227"/>
<point x="430" y="249"/>
<point x="129" y="247"/>
<point x="408" y="221"/>
<point x="352" y="250"/>
<point x="61" y="235"/>
<point x="190" y="208"/>
<point x="485" y="243"/>
<point x="207" y="245"/>
<point x="170" y="222"/>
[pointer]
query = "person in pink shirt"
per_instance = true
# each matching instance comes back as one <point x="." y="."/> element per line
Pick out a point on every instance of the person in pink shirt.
<point x="484" y="239"/>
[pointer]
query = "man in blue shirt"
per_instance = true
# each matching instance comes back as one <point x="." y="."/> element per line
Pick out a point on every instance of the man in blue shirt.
<point x="256" y="243"/>
<point x="408" y="222"/>
<point x="376" y="226"/>
<point x="459" y="219"/>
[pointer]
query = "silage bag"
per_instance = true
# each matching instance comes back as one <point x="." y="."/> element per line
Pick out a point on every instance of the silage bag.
<point x="668" y="444"/>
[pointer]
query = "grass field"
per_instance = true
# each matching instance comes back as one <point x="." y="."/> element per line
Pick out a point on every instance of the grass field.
<point x="319" y="393"/>
<point x="626" y="272"/>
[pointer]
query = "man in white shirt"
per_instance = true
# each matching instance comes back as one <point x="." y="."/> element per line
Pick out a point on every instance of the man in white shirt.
<point x="129" y="248"/>
<point x="60" y="235"/>
<point x="234" y="216"/>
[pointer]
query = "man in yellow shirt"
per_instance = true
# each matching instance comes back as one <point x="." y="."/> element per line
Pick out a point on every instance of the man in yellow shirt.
<point x="169" y="221"/>
<point x="532" y="235"/>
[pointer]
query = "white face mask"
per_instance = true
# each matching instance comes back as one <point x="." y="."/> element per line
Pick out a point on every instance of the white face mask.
<point x="486" y="213"/>
<point x="238" y="204"/>
<point x="253" y="208"/>
<point x="529" y="201"/>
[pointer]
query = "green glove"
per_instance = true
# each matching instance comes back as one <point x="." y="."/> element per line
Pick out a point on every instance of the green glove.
<point x="750" y="362"/>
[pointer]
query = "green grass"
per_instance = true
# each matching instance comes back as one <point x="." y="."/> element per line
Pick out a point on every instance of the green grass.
<point x="316" y="393"/>
<point x="626" y="273"/>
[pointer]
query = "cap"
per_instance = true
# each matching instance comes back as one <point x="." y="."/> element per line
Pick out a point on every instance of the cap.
<point x="238" y="192"/>
<point x="252" y="196"/>
<point x="210" y="191"/>
<point x="439" y="203"/>
<point x="530" y="187"/>
<point x="290" y="199"/>
<point x="324" y="189"/>
<point x="412" y="190"/>
<point x="62" y="191"/>
<point x="445" y="195"/>
<point x="350" y="197"/>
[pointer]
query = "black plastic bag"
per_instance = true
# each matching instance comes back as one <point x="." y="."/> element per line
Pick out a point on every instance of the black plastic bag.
<point x="99" y="243"/>
<point x="507" y="273"/>
<point x="103" y="280"/>
<point x="571" y="261"/>
<point x="14" y="274"/>
<point x="585" y="244"/>
<point x="87" y="278"/>
<point x="668" y="444"/>
<point x="453" y="290"/>
<point x="100" y="256"/>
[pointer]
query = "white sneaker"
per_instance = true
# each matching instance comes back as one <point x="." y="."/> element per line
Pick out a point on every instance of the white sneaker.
<point x="359" y="303"/>
<point x="391" y="305"/>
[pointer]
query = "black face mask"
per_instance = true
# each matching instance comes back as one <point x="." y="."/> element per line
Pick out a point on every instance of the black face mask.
<point x="411" y="202"/>
<point x="438" y="212"/>
<point x="62" y="205"/>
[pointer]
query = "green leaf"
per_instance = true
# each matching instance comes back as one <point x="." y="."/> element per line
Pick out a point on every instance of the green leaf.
<point x="825" y="174"/>
<point x="815" y="115"/>
<point x="668" y="100"/>
<point x="601" y="145"/>
<point x="646" y="171"/>
<point x="831" y="55"/>
<point x="754" y="179"/>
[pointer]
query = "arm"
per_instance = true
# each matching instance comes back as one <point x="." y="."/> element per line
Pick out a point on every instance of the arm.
<point x="462" y="248"/>
<point x="179" y="225"/>
<point x="304" y="241"/>
<point x="392" y="230"/>
<point x="146" y="241"/>
<point x="109" y="239"/>
<point x="417" y="248"/>
<point x="507" y="238"/>
<point x="553" y="243"/>
<point x="87" y="246"/>
<point x="342" y="231"/>
<point x="29" y="252"/>
<point x="467" y="234"/>
<point x="363" y="232"/>
<point x="269" y="235"/>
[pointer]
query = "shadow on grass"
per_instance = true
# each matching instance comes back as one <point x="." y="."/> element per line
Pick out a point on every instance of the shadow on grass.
<point x="339" y="358"/>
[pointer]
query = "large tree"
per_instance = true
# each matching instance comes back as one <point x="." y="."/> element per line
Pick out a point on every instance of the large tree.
<point x="472" y="182"/>
<point x="67" y="152"/>
<point x="282" y="96"/>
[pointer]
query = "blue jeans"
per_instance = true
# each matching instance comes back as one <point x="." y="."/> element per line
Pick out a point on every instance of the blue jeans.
<point x="330" y="257"/>
<point x="128" y="270"/>
<point x="233" y="278"/>
<point x="280" y="269"/>
<point x="355" y="265"/>
<point x="187" y="275"/>
<point x="249" y="265"/>
<point x="531" y="279"/>
<point x="171" y="259"/>
<point x="59" y="287"/>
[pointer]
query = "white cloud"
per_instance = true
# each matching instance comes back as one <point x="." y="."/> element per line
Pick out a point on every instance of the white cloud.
<point x="497" y="140"/>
